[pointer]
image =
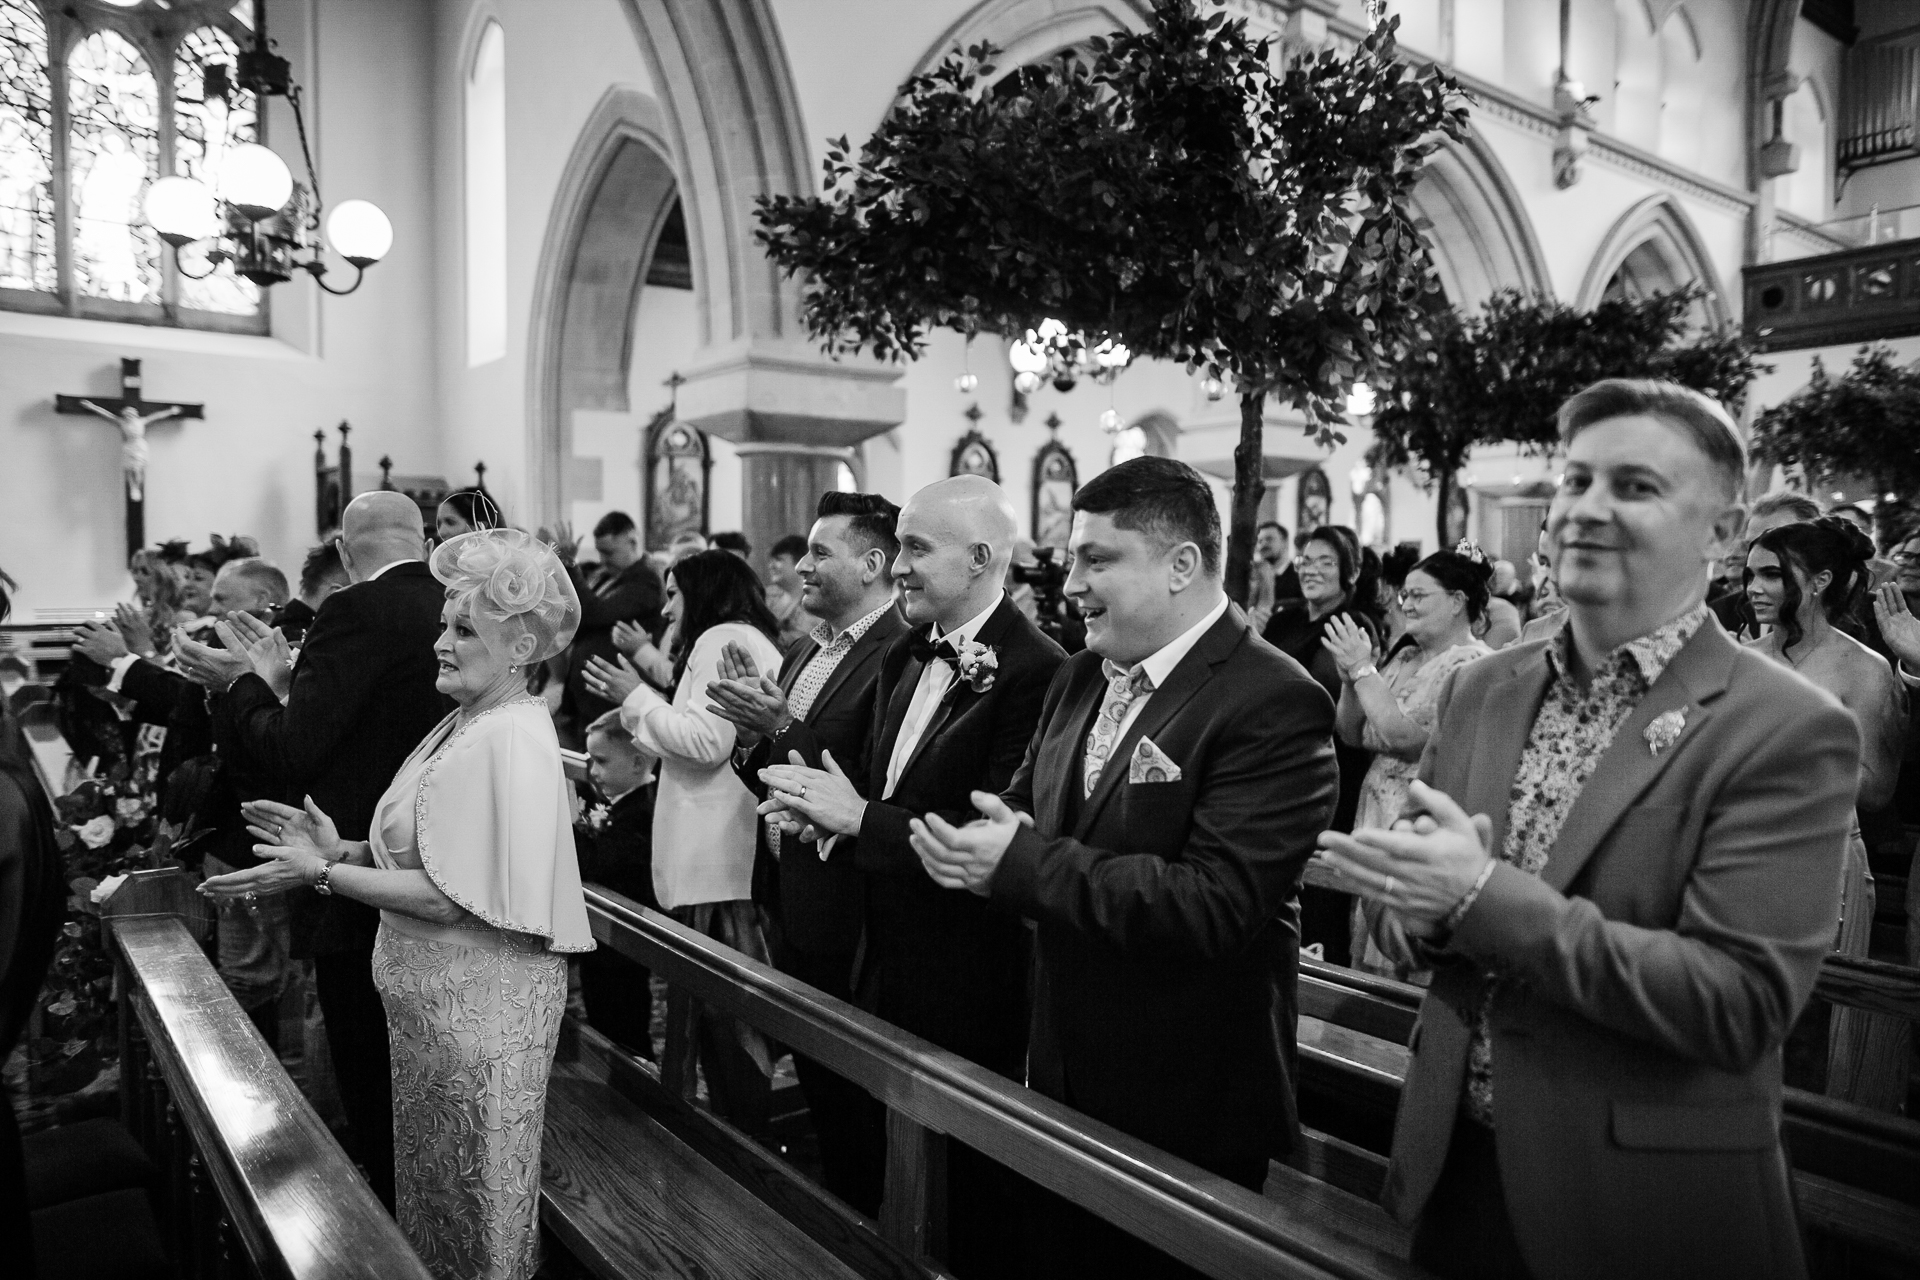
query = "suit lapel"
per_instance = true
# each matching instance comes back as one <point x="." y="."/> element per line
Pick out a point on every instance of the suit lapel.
<point x="1696" y="676"/>
<point x="868" y="648"/>
<point x="961" y="694"/>
<point x="899" y="698"/>
<point x="1505" y="721"/>
<point x="798" y="663"/>
<point x="1194" y="671"/>
<point x="1064" y="760"/>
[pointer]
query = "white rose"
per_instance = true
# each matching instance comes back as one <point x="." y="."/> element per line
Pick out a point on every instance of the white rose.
<point x="97" y="832"/>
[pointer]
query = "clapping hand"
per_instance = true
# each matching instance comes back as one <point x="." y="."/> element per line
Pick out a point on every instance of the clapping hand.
<point x="1421" y="868"/>
<point x="966" y="857"/>
<point x="1351" y="647"/>
<point x="752" y="702"/>
<point x="296" y="843"/>
<point x="101" y="641"/>
<point x="824" y="797"/>
<point x="560" y="536"/>
<point x="604" y="680"/>
<point x="264" y="648"/>
<point x="134" y="629"/>
<point x="1898" y="626"/>
<point x="205" y="665"/>
<point x="630" y="638"/>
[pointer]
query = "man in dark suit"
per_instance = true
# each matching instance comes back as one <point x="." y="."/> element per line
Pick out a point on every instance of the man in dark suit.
<point x="362" y="698"/>
<point x="822" y="704"/>
<point x="625" y="588"/>
<point x="1626" y="926"/>
<point x="1181" y="772"/>
<point x="957" y="700"/>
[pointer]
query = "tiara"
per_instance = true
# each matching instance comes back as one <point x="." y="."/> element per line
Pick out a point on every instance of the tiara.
<point x="1471" y="550"/>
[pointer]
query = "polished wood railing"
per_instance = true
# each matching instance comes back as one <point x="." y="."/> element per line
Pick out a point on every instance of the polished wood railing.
<point x="255" y="1184"/>
<point x="933" y="1097"/>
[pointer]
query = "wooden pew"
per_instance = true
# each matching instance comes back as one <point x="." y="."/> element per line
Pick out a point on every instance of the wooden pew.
<point x="1856" y="1171"/>
<point x="932" y="1097"/>
<point x="256" y="1184"/>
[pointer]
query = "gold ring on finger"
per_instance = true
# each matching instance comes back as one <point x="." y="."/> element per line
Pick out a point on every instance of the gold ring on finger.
<point x="1390" y="886"/>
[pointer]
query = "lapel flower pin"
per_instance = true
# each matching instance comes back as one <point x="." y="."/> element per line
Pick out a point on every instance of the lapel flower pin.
<point x="978" y="664"/>
<point x="1665" y="730"/>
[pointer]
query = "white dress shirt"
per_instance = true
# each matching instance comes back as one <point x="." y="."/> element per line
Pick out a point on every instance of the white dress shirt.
<point x="935" y="679"/>
<point x="1159" y="665"/>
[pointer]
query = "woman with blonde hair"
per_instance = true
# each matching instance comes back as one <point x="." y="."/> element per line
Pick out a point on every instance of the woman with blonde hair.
<point x="471" y="862"/>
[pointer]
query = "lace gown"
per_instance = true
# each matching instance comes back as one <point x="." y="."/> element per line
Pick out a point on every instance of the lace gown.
<point x="474" y="1009"/>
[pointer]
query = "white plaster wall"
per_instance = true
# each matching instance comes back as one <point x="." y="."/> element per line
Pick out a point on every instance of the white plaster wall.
<point x="248" y="467"/>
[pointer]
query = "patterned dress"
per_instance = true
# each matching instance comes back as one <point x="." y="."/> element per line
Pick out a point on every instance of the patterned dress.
<point x="474" y="1008"/>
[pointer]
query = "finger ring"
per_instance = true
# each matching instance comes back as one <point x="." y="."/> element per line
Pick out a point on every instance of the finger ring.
<point x="251" y="896"/>
<point x="1388" y="888"/>
<point x="802" y="793"/>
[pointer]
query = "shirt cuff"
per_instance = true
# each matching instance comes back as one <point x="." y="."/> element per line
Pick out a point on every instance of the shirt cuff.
<point x="1907" y="677"/>
<point x="118" y="669"/>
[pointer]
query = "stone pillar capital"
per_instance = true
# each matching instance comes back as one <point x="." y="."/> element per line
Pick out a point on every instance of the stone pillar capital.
<point x="766" y="391"/>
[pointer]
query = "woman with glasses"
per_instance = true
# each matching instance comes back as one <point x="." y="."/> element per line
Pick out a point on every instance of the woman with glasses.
<point x="1390" y="708"/>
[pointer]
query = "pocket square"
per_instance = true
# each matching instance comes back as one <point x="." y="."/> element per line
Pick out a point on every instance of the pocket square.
<point x="1149" y="763"/>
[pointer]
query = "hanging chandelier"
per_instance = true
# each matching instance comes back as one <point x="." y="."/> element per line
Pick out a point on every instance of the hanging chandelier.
<point x="258" y="217"/>
<point x="1053" y="354"/>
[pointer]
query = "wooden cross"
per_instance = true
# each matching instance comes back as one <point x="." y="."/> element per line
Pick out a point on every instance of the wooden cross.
<point x="133" y="414"/>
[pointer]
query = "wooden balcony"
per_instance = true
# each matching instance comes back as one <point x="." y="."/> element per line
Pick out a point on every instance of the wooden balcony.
<point x="1857" y="295"/>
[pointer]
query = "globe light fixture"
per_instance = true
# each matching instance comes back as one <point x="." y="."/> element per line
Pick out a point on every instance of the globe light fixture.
<point x="1053" y="352"/>
<point x="1361" y="401"/>
<point x="1214" y="388"/>
<point x="258" y="216"/>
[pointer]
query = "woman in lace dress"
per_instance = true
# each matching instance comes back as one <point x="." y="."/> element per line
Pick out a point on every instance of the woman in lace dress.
<point x="1390" y="709"/>
<point x="471" y="863"/>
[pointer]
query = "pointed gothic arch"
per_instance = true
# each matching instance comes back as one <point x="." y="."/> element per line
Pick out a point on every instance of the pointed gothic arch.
<point x="1481" y="236"/>
<point x="1656" y="242"/>
<point x="1027" y="31"/>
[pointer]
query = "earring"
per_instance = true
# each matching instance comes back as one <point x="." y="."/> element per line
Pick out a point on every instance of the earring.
<point x="512" y="667"/>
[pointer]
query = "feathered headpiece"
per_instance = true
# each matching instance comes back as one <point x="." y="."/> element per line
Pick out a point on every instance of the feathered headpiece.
<point x="507" y="578"/>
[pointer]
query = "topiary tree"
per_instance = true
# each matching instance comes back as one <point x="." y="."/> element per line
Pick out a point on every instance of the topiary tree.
<point x="1500" y="375"/>
<point x="1170" y="191"/>
<point x="1865" y="424"/>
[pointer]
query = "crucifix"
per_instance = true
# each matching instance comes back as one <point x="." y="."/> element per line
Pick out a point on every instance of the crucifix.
<point x="132" y="415"/>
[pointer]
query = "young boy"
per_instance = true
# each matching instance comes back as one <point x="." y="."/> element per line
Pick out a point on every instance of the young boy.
<point x="615" y="848"/>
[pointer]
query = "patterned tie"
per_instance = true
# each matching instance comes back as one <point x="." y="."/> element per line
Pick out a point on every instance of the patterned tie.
<point x="1122" y="688"/>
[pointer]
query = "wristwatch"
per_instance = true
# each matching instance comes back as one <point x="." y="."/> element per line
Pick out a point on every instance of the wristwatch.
<point x="1361" y="673"/>
<point x="324" y="882"/>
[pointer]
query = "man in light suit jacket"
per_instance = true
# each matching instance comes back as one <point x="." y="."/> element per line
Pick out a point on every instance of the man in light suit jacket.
<point x="1181" y="771"/>
<point x="1626" y="926"/>
<point x="957" y="701"/>
<point x="822" y="704"/>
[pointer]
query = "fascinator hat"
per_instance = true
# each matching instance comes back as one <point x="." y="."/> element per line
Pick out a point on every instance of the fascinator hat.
<point x="511" y="584"/>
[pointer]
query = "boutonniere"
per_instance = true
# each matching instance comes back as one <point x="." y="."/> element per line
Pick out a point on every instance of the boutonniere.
<point x="597" y="816"/>
<point x="977" y="664"/>
<point x="1665" y="730"/>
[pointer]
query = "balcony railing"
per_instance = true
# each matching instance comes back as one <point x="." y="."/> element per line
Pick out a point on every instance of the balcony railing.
<point x="1857" y="295"/>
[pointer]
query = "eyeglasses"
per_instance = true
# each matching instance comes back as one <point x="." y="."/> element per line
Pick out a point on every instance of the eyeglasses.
<point x="1904" y="557"/>
<point x="1415" y="597"/>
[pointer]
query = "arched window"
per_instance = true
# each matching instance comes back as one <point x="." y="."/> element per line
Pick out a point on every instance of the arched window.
<point x="148" y="91"/>
<point x="486" y="203"/>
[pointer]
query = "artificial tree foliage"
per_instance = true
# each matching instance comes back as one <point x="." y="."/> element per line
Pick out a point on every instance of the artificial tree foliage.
<point x="1500" y="374"/>
<point x="1863" y="424"/>
<point x="1170" y="189"/>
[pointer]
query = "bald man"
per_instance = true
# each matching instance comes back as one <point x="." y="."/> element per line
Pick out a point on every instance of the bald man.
<point x="362" y="698"/>
<point x="958" y="698"/>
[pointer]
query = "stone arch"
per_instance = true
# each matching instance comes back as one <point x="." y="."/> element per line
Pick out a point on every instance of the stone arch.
<point x="615" y="195"/>
<point x="1481" y="236"/>
<point x="1657" y="241"/>
<point x="1030" y="30"/>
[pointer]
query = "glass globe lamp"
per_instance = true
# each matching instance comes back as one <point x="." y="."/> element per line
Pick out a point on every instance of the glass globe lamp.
<point x="182" y="210"/>
<point x="359" y="232"/>
<point x="255" y="181"/>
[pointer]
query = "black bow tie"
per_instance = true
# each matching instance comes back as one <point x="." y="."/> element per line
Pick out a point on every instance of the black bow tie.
<point x="924" y="649"/>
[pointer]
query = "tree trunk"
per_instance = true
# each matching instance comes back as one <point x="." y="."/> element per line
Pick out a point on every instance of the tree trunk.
<point x="1443" y="483"/>
<point x="1249" y="486"/>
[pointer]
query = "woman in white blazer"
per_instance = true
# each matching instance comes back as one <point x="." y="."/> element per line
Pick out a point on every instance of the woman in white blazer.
<point x="703" y="816"/>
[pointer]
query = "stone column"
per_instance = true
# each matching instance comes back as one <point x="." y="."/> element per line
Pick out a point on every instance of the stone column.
<point x="780" y="486"/>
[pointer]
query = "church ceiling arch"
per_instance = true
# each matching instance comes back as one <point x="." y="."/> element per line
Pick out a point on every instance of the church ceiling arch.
<point x="1654" y="247"/>
<point x="615" y="197"/>
<point x="1031" y="30"/>
<point x="1481" y="236"/>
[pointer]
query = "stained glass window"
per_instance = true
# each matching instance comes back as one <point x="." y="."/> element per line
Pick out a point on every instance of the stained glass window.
<point x="205" y="127"/>
<point x="74" y="237"/>
<point x="114" y="106"/>
<point x="26" y="151"/>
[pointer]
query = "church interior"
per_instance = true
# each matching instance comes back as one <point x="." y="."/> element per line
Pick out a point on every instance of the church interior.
<point x="518" y="252"/>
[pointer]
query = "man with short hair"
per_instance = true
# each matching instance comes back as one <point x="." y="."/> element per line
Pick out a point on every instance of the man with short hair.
<point x="735" y="542"/>
<point x="1623" y="861"/>
<point x="685" y="543"/>
<point x="957" y="700"/>
<point x="1275" y="580"/>
<point x="1156" y="834"/>
<point x="321" y="574"/>
<point x="784" y="591"/>
<point x="625" y="588"/>
<point x="821" y="705"/>
<point x="362" y="697"/>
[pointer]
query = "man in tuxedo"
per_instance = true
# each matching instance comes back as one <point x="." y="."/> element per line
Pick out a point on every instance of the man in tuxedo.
<point x="957" y="700"/>
<point x="1624" y="863"/>
<point x="822" y="704"/>
<point x="624" y="589"/>
<point x="362" y="697"/>
<point x="1156" y="834"/>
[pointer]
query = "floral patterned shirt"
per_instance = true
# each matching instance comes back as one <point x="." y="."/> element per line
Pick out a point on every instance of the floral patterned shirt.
<point x="1572" y="730"/>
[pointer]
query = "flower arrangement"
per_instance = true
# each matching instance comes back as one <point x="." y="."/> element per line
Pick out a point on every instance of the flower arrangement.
<point x="977" y="664"/>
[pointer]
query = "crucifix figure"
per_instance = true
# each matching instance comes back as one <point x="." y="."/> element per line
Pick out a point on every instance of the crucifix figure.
<point x="132" y="415"/>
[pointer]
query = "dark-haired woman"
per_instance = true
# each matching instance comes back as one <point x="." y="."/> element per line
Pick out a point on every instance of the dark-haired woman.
<point x="704" y="824"/>
<point x="463" y="511"/>
<point x="1390" y="710"/>
<point x="1802" y="578"/>
<point x="1329" y="567"/>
